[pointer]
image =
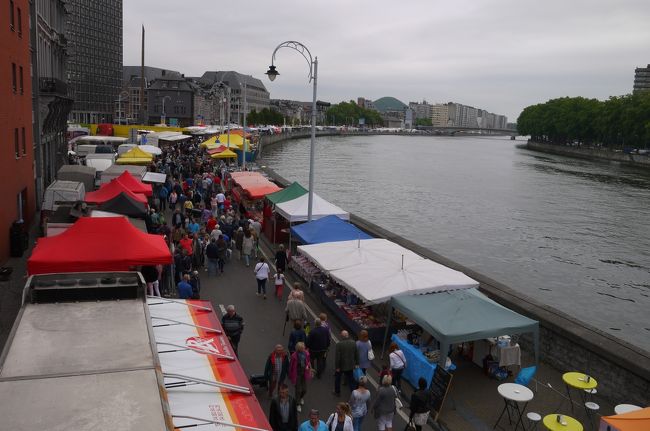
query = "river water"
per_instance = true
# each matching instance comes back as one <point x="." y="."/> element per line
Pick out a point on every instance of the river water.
<point x="570" y="233"/>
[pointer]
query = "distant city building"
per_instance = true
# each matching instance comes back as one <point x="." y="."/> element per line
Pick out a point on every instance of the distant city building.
<point x="257" y="96"/>
<point x="462" y="115"/>
<point x="488" y="120"/>
<point x="51" y="99"/>
<point x="94" y="32"/>
<point x="170" y="100"/>
<point x="641" y="79"/>
<point x="17" y="156"/>
<point x="440" y="115"/>
<point x="297" y="113"/>
<point x="366" y="103"/>
<point x="422" y="111"/>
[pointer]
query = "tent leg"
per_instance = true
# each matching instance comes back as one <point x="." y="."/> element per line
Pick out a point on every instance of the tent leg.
<point x="387" y="332"/>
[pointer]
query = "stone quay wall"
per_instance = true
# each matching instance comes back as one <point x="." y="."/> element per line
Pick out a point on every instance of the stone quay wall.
<point x="590" y="153"/>
<point x="567" y="344"/>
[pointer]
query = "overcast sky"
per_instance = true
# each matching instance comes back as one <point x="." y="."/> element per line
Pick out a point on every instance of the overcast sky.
<point x="499" y="55"/>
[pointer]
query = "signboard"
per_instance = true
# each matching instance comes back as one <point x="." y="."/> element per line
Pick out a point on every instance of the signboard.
<point x="438" y="389"/>
<point x="362" y="121"/>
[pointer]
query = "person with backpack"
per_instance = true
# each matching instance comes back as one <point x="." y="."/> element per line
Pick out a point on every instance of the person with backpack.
<point x="163" y="195"/>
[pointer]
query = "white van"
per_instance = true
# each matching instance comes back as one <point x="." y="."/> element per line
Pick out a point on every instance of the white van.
<point x="62" y="191"/>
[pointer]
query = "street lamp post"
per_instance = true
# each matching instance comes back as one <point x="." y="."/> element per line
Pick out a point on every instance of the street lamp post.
<point x="272" y="73"/>
<point x="163" y="117"/>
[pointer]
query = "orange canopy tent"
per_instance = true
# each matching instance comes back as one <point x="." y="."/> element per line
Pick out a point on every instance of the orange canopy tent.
<point x="111" y="189"/>
<point x="219" y="149"/>
<point x="98" y="244"/>
<point x="254" y="184"/>
<point x="134" y="185"/>
<point x="638" y="420"/>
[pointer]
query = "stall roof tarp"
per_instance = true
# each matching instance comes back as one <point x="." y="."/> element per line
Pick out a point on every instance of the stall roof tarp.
<point x="154" y="177"/>
<point x="108" y="191"/>
<point x="124" y="204"/>
<point x="98" y="244"/>
<point x="327" y="229"/>
<point x="80" y="173"/>
<point x="638" y="420"/>
<point x="225" y="154"/>
<point x="254" y="184"/>
<point x="296" y="209"/>
<point x="293" y="191"/>
<point x="462" y="315"/>
<point x="134" y="184"/>
<point x="134" y="156"/>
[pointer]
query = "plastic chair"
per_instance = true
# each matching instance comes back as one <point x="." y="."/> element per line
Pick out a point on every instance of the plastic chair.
<point x="525" y="375"/>
<point x="533" y="419"/>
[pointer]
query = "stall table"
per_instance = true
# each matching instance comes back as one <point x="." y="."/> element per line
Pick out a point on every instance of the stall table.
<point x="513" y="394"/>
<point x="417" y="365"/>
<point x="567" y="423"/>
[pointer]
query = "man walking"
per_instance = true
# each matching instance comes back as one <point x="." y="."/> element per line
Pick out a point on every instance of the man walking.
<point x="233" y="326"/>
<point x="346" y="360"/>
<point x="314" y="423"/>
<point x="318" y="343"/>
<point x="276" y="369"/>
<point x="283" y="414"/>
<point x="212" y="253"/>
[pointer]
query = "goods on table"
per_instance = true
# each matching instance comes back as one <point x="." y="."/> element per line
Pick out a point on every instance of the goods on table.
<point x="304" y="268"/>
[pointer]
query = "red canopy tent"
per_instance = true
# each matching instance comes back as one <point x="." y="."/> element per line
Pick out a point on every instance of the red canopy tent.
<point x="219" y="149"/>
<point x="98" y="244"/>
<point x="135" y="185"/>
<point x="111" y="189"/>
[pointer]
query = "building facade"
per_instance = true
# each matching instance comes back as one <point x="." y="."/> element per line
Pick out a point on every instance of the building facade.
<point x="440" y="115"/>
<point x="94" y="32"/>
<point x="641" y="79"/>
<point x="421" y="111"/>
<point x="51" y="99"/>
<point x="17" y="157"/>
<point x="170" y="100"/>
<point x="242" y="88"/>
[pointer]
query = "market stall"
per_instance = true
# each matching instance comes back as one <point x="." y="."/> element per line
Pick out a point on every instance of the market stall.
<point x="135" y="156"/>
<point x="276" y="228"/>
<point x="456" y="317"/>
<point x="110" y="190"/>
<point x="82" y="174"/>
<point x="297" y="209"/>
<point x="98" y="244"/>
<point x="124" y="204"/>
<point x="249" y="189"/>
<point x="638" y="420"/>
<point x="327" y="229"/>
<point x="134" y="184"/>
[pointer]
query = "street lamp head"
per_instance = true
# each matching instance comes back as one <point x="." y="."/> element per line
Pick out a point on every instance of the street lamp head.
<point x="272" y="73"/>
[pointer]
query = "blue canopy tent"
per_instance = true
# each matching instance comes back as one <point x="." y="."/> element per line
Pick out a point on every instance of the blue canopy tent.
<point x="463" y="315"/>
<point x="327" y="229"/>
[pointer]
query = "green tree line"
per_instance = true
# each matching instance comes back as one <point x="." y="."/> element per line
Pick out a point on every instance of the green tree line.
<point x="348" y="113"/>
<point x="266" y="116"/>
<point x="620" y="121"/>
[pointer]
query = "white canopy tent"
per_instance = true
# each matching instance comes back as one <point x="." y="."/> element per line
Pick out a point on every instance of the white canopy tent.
<point x="378" y="269"/>
<point x="296" y="209"/>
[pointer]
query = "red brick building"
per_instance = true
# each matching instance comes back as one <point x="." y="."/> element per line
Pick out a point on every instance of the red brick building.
<point x="16" y="143"/>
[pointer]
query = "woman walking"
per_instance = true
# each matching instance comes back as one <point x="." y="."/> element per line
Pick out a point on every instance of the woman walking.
<point x="384" y="405"/>
<point x="300" y="372"/>
<point x="247" y="246"/>
<point x="281" y="258"/>
<point x="261" y="275"/>
<point x="419" y="406"/>
<point x="397" y="365"/>
<point x="364" y="347"/>
<point x="341" y="419"/>
<point x="278" y="283"/>
<point x="359" y="403"/>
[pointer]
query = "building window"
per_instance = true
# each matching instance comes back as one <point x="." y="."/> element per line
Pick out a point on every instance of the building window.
<point x="11" y="15"/>
<point x="24" y="142"/>
<point x="20" y="22"/>
<point x="13" y="76"/>
<point x="22" y="90"/>
<point x="16" y="143"/>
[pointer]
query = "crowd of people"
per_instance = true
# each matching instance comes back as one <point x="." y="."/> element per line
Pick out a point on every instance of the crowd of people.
<point x="206" y="230"/>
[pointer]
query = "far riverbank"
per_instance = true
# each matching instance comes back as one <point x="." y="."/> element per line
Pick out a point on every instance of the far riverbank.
<point x="640" y="160"/>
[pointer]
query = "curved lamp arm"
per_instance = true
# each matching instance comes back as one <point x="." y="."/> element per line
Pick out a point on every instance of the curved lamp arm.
<point x="300" y="48"/>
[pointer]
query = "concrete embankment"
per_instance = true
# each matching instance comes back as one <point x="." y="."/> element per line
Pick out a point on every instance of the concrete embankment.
<point x="622" y="370"/>
<point x="590" y="153"/>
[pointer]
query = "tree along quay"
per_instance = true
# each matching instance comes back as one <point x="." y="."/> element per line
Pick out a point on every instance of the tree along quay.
<point x="567" y="344"/>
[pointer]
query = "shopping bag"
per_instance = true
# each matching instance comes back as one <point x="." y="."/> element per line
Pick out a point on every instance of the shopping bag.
<point x="357" y="374"/>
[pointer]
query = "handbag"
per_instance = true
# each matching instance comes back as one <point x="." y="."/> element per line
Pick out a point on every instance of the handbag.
<point x="371" y="353"/>
<point x="357" y="374"/>
<point x="420" y="418"/>
<point x="398" y="403"/>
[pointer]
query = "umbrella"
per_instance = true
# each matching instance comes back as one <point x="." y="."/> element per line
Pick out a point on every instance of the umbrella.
<point x="151" y="149"/>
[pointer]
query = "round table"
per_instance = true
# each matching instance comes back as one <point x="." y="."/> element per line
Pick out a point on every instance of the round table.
<point x="551" y="423"/>
<point x="513" y="394"/>
<point x="579" y="380"/>
<point x="626" y="408"/>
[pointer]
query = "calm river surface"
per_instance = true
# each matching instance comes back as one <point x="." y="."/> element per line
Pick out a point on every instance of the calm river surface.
<point x="570" y="233"/>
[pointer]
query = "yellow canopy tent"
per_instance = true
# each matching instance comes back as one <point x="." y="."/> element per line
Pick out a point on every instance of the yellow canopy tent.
<point x="235" y="140"/>
<point x="208" y="142"/>
<point x="135" y="156"/>
<point x="226" y="154"/>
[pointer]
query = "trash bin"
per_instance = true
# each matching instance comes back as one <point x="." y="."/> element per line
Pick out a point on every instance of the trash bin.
<point x="17" y="239"/>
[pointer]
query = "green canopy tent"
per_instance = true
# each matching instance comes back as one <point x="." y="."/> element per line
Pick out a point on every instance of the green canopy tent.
<point x="290" y="193"/>
<point x="293" y="191"/>
<point x="462" y="315"/>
